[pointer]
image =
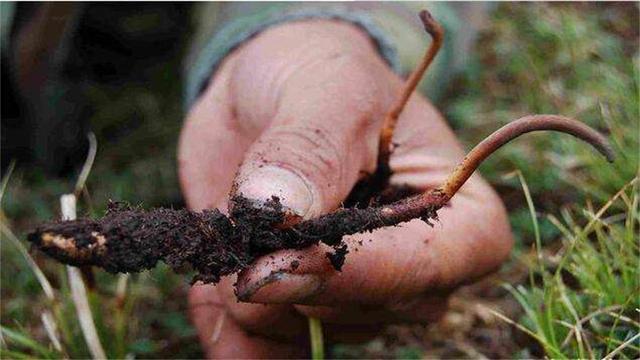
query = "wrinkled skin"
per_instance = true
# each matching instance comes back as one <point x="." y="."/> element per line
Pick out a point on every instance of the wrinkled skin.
<point x="296" y="112"/>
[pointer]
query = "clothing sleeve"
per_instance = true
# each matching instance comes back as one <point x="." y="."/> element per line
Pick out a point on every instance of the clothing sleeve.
<point x="394" y="27"/>
<point x="7" y="11"/>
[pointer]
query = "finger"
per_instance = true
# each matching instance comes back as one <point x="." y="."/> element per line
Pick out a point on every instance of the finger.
<point x="278" y="322"/>
<point x="282" y="322"/>
<point x="384" y="299"/>
<point x="392" y="264"/>
<point x="471" y="239"/>
<point x="222" y="337"/>
<point x="424" y="310"/>
<point x="211" y="146"/>
<point x="323" y="123"/>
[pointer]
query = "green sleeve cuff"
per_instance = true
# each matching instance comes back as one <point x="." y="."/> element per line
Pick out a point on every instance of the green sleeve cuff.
<point x="234" y="33"/>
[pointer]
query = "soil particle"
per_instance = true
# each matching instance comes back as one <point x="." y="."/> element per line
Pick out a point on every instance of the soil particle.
<point x="295" y="264"/>
<point x="338" y="257"/>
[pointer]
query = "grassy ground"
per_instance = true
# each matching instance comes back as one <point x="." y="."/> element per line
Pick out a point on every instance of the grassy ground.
<point x="569" y="290"/>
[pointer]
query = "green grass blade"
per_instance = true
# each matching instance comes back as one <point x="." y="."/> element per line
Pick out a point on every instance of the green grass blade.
<point x="8" y="354"/>
<point x="317" y="341"/>
<point x="5" y="179"/>
<point x="26" y="342"/>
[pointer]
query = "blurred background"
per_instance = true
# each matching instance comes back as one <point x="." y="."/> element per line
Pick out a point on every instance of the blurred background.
<point x="569" y="290"/>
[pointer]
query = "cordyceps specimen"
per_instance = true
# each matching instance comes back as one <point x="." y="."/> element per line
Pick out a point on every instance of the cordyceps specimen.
<point x="129" y="239"/>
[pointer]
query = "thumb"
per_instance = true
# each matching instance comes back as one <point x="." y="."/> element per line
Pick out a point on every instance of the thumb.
<point x="322" y="137"/>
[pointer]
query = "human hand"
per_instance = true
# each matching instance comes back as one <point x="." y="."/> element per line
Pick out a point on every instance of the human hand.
<point x="296" y="112"/>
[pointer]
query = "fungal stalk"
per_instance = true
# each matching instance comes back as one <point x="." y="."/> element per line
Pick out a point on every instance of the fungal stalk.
<point x="433" y="28"/>
<point x="373" y="184"/>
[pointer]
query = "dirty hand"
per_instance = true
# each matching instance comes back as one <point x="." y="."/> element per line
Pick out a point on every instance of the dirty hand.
<point x="296" y="112"/>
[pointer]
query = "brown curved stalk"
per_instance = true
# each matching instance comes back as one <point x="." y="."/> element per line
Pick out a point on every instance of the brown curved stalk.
<point x="408" y="209"/>
<point x="516" y="128"/>
<point x="437" y="34"/>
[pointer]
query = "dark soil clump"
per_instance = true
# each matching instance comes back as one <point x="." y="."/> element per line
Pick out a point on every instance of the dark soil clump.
<point x="338" y="257"/>
<point x="129" y="239"/>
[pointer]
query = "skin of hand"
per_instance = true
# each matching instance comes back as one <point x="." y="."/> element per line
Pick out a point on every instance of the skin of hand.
<point x="296" y="112"/>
